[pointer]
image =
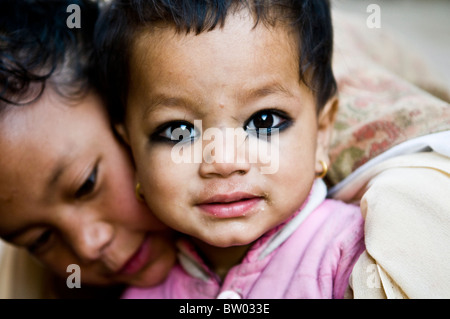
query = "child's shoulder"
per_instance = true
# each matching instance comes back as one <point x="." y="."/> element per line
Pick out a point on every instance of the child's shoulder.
<point x="338" y="218"/>
<point x="338" y="207"/>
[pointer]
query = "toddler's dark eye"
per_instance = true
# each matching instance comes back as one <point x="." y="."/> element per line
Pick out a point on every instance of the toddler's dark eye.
<point x="176" y="132"/>
<point x="263" y="122"/>
<point x="88" y="185"/>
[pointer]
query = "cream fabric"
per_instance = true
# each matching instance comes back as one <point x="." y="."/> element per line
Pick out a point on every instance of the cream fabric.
<point x="406" y="206"/>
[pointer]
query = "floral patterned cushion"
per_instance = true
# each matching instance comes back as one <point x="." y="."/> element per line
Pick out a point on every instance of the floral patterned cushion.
<point x="378" y="108"/>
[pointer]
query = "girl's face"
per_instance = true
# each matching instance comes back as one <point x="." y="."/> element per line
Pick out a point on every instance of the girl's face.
<point x="67" y="194"/>
<point x="238" y="77"/>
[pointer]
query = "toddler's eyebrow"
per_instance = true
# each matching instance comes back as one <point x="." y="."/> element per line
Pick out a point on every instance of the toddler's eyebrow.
<point x="167" y="101"/>
<point x="261" y="92"/>
<point x="245" y="97"/>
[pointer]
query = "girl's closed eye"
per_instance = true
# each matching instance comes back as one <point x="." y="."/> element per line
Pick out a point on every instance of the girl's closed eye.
<point x="40" y="244"/>
<point x="265" y="121"/>
<point x="175" y="132"/>
<point x="88" y="185"/>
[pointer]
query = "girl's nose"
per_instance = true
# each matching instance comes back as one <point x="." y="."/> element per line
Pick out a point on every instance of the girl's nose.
<point x="90" y="238"/>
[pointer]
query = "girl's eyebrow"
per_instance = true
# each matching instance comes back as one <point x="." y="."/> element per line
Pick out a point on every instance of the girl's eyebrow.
<point x="58" y="170"/>
<point x="55" y="175"/>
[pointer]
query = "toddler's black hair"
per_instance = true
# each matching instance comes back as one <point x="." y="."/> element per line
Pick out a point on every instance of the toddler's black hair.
<point x="36" y="43"/>
<point x="123" y="18"/>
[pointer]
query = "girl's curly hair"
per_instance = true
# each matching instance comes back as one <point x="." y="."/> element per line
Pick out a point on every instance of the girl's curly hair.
<point x="36" y="46"/>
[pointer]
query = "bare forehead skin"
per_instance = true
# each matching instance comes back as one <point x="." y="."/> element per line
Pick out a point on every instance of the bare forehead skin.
<point x="221" y="42"/>
<point x="36" y="139"/>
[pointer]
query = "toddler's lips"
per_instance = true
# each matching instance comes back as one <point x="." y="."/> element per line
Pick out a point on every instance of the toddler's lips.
<point x="230" y="205"/>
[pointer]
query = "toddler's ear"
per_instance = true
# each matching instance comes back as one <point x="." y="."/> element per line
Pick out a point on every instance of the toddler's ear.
<point x="122" y="131"/>
<point x="326" y="119"/>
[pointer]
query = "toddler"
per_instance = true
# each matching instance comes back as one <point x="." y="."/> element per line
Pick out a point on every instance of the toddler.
<point x="209" y="88"/>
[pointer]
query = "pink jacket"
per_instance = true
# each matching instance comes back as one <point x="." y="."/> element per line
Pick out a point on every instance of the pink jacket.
<point x="309" y="256"/>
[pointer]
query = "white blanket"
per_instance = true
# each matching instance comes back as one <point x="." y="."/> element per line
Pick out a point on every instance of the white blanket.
<point x="405" y="201"/>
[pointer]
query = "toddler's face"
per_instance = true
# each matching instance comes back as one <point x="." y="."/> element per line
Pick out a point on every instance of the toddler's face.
<point x="228" y="81"/>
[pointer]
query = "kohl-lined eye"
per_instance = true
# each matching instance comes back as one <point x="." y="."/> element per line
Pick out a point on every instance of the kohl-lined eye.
<point x="88" y="185"/>
<point x="263" y="122"/>
<point x="175" y="132"/>
<point x="38" y="245"/>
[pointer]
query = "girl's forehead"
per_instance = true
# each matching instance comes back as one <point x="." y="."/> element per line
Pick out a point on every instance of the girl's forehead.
<point x="38" y="139"/>
<point x="33" y="148"/>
